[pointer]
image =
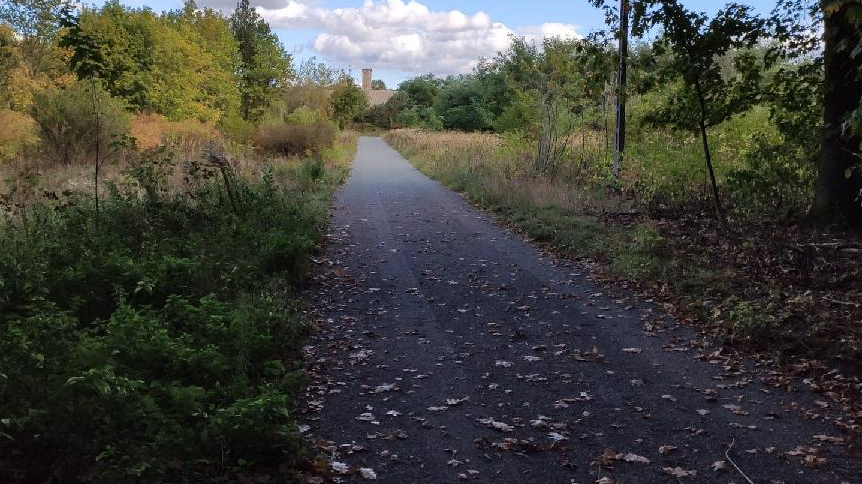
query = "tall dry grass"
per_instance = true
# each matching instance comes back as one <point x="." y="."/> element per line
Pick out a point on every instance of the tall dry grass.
<point x="29" y="175"/>
<point x="26" y="180"/>
<point x="495" y="169"/>
<point x="187" y="136"/>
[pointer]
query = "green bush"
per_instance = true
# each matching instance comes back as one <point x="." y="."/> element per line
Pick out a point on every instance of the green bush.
<point x="149" y="349"/>
<point x="65" y="120"/>
<point x="346" y="102"/>
<point x="296" y="139"/>
<point x="305" y="115"/>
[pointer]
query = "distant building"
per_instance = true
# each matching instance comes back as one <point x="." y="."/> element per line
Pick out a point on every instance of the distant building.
<point x="375" y="97"/>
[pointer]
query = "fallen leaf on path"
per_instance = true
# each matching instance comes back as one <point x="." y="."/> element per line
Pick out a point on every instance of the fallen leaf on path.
<point x="635" y="458"/>
<point x="608" y="457"/>
<point x="503" y="427"/>
<point x="368" y="473"/>
<point x="456" y="401"/>
<point x="828" y="438"/>
<point x="811" y="461"/>
<point x="385" y="387"/>
<point x="680" y="472"/>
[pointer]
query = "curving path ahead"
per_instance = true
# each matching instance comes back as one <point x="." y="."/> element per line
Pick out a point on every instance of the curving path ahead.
<point x="450" y="350"/>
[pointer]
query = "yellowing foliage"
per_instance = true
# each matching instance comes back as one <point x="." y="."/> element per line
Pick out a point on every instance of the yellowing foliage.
<point x="17" y="132"/>
<point x="151" y="130"/>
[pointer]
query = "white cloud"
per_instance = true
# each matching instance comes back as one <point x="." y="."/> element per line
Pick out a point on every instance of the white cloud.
<point x="551" y="29"/>
<point x="398" y="35"/>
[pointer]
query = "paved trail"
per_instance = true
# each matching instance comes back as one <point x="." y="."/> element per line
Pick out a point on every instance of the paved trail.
<point x="450" y="349"/>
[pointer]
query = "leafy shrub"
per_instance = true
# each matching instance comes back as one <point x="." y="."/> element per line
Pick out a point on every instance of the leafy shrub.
<point x="777" y="182"/>
<point x="346" y="102"/>
<point x="312" y="169"/>
<point x="17" y="132"/>
<point x="304" y="115"/>
<point x="236" y="129"/>
<point x="66" y="124"/>
<point x="417" y="117"/>
<point x="295" y="139"/>
<point x="148" y="349"/>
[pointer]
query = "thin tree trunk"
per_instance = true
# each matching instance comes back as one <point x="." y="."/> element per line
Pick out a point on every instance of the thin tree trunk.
<point x="98" y="164"/>
<point x="837" y="195"/>
<point x="707" y="156"/>
<point x="620" y="126"/>
<point x="605" y="115"/>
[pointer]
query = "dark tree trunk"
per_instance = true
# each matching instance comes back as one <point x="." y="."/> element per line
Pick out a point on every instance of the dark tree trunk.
<point x="837" y="191"/>
<point x="716" y="202"/>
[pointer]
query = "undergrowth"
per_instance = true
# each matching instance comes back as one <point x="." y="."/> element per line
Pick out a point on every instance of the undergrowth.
<point x="159" y="343"/>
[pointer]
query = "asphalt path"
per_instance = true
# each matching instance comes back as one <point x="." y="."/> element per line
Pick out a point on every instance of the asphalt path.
<point x="449" y="349"/>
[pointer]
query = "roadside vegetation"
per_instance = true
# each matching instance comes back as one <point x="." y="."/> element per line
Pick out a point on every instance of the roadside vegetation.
<point x="166" y="179"/>
<point x="756" y="257"/>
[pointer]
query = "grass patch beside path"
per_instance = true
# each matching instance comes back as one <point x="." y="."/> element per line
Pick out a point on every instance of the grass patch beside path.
<point x="161" y="344"/>
<point x="771" y="288"/>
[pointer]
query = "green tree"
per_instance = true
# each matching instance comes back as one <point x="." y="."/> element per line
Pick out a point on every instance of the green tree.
<point x="179" y="65"/>
<point x="550" y="89"/>
<point x="704" y="97"/>
<point x="825" y="33"/>
<point x="462" y="104"/>
<point x="212" y="32"/>
<point x="40" y="63"/>
<point x="386" y="115"/>
<point x="378" y="84"/>
<point x="8" y="61"/>
<point x="37" y="22"/>
<point x="421" y="91"/>
<point x="265" y="67"/>
<point x="313" y="72"/>
<point x="347" y="101"/>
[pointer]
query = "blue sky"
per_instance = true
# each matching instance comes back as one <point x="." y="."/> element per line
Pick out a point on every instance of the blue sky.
<point x="401" y="38"/>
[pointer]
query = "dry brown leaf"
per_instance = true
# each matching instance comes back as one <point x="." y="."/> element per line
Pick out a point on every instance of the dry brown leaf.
<point x="608" y="457"/>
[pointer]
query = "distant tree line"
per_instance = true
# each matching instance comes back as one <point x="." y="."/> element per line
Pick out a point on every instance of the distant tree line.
<point x="186" y="64"/>
<point x="688" y="72"/>
<point x="192" y="64"/>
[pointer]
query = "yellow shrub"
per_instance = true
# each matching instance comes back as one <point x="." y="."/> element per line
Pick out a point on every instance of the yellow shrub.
<point x="17" y="132"/>
<point x="152" y="130"/>
<point x="149" y="130"/>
